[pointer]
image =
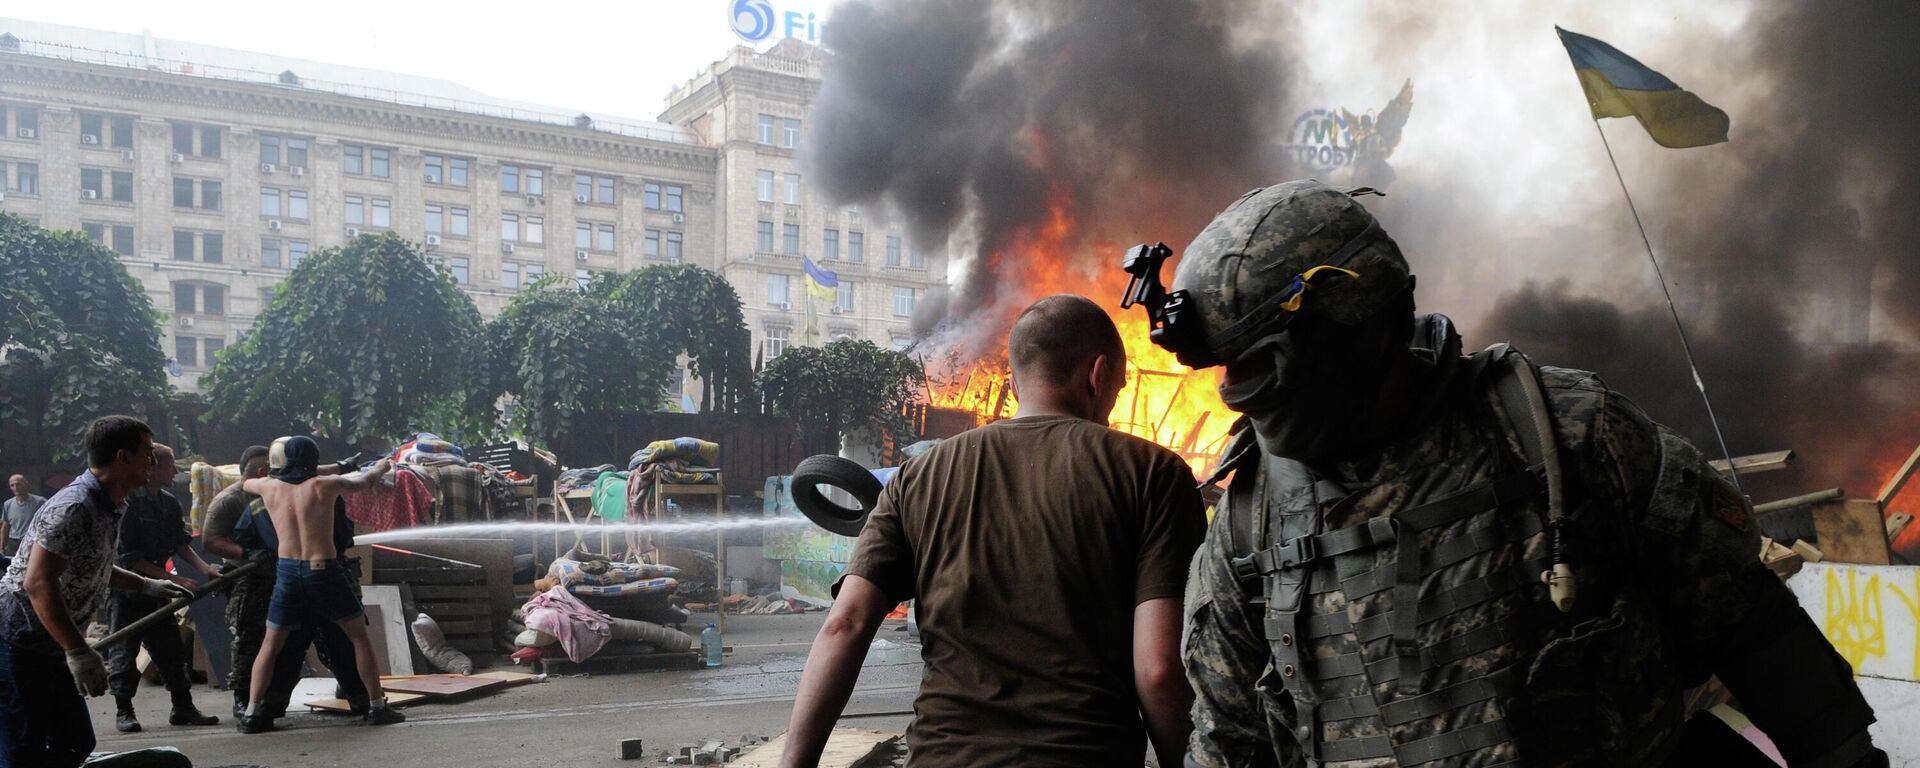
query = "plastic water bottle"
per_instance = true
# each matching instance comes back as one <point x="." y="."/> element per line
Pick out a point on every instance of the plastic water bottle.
<point x="710" y="644"/>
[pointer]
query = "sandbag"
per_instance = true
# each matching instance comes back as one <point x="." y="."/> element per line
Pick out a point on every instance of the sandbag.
<point x="433" y="644"/>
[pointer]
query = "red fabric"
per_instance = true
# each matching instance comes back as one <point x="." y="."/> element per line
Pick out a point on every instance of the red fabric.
<point x="529" y="655"/>
<point x="405" y="504"/>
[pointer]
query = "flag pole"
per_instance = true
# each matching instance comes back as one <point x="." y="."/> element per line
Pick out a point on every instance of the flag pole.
<point x="1678" y="329"/>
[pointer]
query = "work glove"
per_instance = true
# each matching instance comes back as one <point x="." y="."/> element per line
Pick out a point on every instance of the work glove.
<point x="163" y="589"/>
<point x="89" y="671"/>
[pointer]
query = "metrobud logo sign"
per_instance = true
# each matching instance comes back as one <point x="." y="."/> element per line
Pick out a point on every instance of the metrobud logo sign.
<point x="755" y="21"/>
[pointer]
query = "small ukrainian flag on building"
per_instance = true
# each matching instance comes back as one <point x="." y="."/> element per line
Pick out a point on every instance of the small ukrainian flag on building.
<point x="1619" y="86"/>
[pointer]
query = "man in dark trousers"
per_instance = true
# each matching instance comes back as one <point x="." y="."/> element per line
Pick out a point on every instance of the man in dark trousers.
<point x="1047" y="554"/>
<point x="153" y="531"/>
<point x="52" y="591"/>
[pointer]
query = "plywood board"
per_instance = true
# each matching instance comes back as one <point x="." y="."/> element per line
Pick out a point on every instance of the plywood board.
<point x="1851" y="531"/>
<point x="387" y="623"/>
<point x="495" y="558"/>
<point x="846" y="748"/>
<point x="442" y="685"/>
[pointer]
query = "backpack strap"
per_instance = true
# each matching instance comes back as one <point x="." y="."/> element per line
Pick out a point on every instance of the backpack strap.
<point x="1523" y="403"/>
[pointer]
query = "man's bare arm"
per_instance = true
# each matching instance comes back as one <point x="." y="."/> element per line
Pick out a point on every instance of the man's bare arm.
<point x="832" y="668"/>
<point x="254" y="485"/>
<point x="224" y="546"/>
<point x="364" y="479"/>
<point x="186" y="554"/>
<point x="1165" y="697"/>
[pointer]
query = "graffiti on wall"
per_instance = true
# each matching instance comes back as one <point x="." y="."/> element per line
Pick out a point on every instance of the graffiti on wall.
<point x="1871" y="614"/>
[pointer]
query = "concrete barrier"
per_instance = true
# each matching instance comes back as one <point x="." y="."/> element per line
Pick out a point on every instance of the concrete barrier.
<point x="1871" y="613"/>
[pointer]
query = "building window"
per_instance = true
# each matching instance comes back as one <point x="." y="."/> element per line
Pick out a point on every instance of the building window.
<point x="182" y="246"/>
<point x="457" y="222"/>
<point x="458" y="266"/>
<point x="790" y="239"/>
<point x="582" y="188"/>
<point x="117" y="237"/>
<point x="766" y="130"/>
<point x="270" y="202"/>
<point x="581" y="278"/>
<point x="650" y="244"/>
<point x="182" y="190"/>
<point x="534" y="272"/>
<point x="673" y="247"/>
<point x="789" y="133"/>
<point x="297" y="204"/>
<point x="856" y="247"/>
<point x="213" y="248"/>
<point x="651" y="196"/>
<point x="210" y="349"/>
<point x="123" y="186"/>
<point x="776" y="341"/>
<point x="26" y="123"/>
<point x="792" y="188"/>
<point x="582" y="235"/>
<point x="185" y="351"/>
<point x="604" y="193"/>
<point x="830" y="245"/>
<point x="893" y="250"/>
<point x="296" y="251"/>
<point x="902" y="302"/>
<point x="183" y="138"/>
<point x="604" y="238"/>
<point x="296" y="153"/>
<point x="269" y="148"/>
<point x="183" y="194"/>
<point x="510" y="227"/>
<point x="122" y="136"/>
<point x="777" y="290"/>
<point x="195" y="298"/>
<point x="763" y="237"/>
<point x="763" y="187"/>
<point x="590" y="188"/>
<point x="379" y="162"/>
<point x="209" y="195"/>
<point x="843" y="296"/>
<point x="536" y="182"/>
<point x="122" y="239"/>
<point x="536" y="229"/>
<point x="382" y="212"/>
<point x="457" y="171"/>
<point x="270" y="253"/>
<point x="209" y="141"/>
<point x="902" y="343"/>
<point x="436" y="219"/>
<point x="353" y="159"/>
<point x="676" y="198"/>
<point x="436" y="168"/>
<point x="356" y="209"/>
<point x="93" y="185"/>
<point x="26" y="178"/>
<point x="510" y="178"/>
<point x="510" y="275"/>
<point x="106" y="185"/>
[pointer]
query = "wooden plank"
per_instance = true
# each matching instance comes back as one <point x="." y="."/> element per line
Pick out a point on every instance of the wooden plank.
<point x="495" y="558"/>
<point x="1851" y="531"/>
<point x="437" y="686"/>
<point x="1756" y="463"/>
<point x="340" y="705"/>
<point x="846" y="748"/>
<point x="509" y="677"/>
<point x="1899" y="479"/>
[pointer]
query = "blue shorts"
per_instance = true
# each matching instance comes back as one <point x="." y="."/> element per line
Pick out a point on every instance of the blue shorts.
<point x="303" y="594"/>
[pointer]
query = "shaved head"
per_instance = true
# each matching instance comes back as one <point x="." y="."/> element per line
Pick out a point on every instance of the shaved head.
<point x="1058" y="336"/>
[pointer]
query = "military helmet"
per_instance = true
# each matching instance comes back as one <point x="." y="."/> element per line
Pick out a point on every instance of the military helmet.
<point x="1297" y="249"/>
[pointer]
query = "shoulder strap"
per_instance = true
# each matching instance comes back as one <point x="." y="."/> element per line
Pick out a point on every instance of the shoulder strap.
<point x="1523" y="403"/>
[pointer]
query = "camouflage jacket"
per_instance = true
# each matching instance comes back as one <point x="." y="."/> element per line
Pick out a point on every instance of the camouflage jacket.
<point x="1662" y="547"/>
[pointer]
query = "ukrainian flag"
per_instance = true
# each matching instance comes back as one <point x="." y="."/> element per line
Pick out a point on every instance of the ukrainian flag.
<point x="821" y="284"/>
<point x="1619" y="86"/>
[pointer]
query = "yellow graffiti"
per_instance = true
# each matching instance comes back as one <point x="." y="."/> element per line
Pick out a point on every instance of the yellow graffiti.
<point x="1913" y="606"/>
<point x="1854" y="622"/>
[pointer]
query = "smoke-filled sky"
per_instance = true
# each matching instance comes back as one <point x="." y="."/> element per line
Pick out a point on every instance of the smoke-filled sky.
<point x="973" y="116"/>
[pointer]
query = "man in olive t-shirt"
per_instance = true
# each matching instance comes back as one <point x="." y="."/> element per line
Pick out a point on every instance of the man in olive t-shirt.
<point x="1048" y="555"/>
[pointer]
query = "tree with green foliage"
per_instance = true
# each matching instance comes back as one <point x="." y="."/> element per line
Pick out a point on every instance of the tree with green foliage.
<point x="613" y="347"/>
<point x="842" y="387"/>
<point x="79" y="338"/>
<point x="364" y="342"/>
<point x="684" y="308"/>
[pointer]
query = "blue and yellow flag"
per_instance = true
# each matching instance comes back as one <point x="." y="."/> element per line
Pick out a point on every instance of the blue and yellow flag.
<point x="1619" y="86"/>
<point x="821" y="284"/>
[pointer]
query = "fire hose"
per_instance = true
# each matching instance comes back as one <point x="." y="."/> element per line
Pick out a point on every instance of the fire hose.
<point x="212" y="586"/>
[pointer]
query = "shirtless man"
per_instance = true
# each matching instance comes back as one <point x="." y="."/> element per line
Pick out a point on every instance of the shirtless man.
<point x="311" y="584"/>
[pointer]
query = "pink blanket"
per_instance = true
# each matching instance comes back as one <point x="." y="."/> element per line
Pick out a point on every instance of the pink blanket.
<point x="582" y="631"/>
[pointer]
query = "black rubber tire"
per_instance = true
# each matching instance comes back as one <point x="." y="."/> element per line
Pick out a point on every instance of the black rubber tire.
<point x="830" y="470"/>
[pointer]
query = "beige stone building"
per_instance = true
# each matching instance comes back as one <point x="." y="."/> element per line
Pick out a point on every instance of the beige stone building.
<point x="213" y="172"/>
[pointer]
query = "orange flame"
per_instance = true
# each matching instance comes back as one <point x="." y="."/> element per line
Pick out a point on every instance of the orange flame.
<point x="1163" y="401"/>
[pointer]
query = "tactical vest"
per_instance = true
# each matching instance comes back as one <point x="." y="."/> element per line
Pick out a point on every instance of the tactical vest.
<point x="1443" y="699"/>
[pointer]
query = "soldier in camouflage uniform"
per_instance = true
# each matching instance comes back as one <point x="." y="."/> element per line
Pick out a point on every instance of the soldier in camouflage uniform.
<point x="1374" y="590"/>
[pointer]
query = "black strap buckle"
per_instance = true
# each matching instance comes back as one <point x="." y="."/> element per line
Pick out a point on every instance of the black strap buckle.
<point x="1296" y="552"/>
<point x="1245" y="570"/>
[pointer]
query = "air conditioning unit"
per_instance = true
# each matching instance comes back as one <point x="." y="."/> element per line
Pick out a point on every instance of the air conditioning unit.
<point x="784" y="306"/>
<point x="273" y="225"/>
<point x="679" y="218"/>
<point x="126" y="155"/>
<point x="183" y="321"/>
<point x="837" y="309"/>
<point x="266" y="168"/>
<point x="353" y="232"/>
<point x="299" y="170"/>
<point x="90" y="139"/>
<point x="793" y="211"/>
<point x="3" y="197"/>
<point x="579" y="198"/>
<point x="534" y="201"/>
<point x="506" y="247"/>
<point x="432" y="179"/>
<point x="89" y="194"/>
<point x="28" y="133"/>
<point x="433" y="239"/>
<point x="579" y="255"/>
<point x="176" y="158"/>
